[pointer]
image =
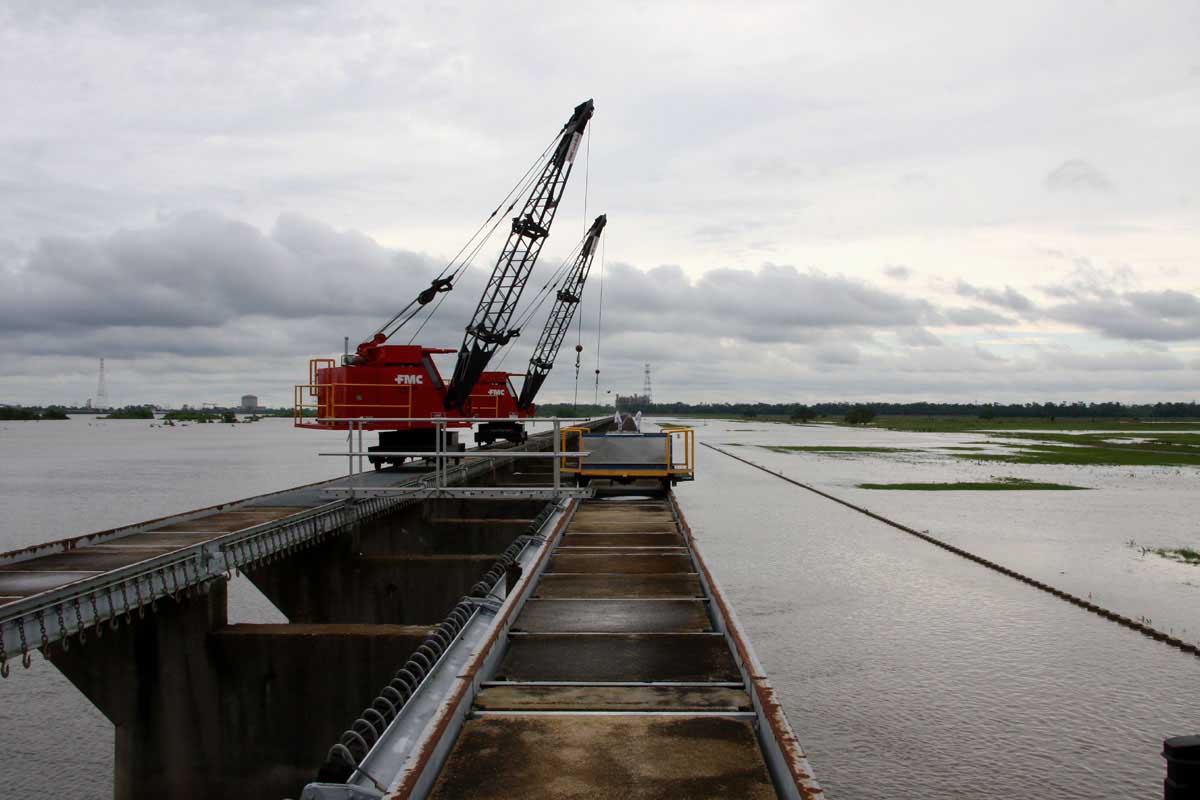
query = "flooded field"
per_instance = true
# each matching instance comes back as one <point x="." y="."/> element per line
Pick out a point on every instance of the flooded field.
<point x="909" y="671"/>
<point x="906" y="670"/>
<point x="1097" y="544"/>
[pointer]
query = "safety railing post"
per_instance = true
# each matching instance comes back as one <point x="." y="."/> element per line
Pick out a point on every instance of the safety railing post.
<point x="360" y="447"/>
<point x="556" y="446"/>
<point x="439" y="443"/>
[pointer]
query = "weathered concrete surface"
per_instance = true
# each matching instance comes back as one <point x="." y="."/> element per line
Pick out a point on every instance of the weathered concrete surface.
<point x="287" y="691"/>
<point x="316" y="587"/>
<point x="631" y="525"/>
<point x="227" y="521"/>
<point x="526" y="697"/>
<point x="618" y="657"/>
<point x="203" y="709"/>
<point x="613" y="616"/>
<point x="625" y="563"/>
<point x="622" y="540"/>
<point x="636" y="757"/>
<point x="155" y="680"/>
<point x="402" y="569"/>
<point x="615" y="585"/>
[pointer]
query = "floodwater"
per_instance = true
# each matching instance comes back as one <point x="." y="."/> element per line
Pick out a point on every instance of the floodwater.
<point x="907" y="671"/>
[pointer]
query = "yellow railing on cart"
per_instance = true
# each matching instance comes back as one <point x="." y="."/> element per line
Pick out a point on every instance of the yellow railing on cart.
<point x="327" y="405"/>
<point x="679" y="440"/>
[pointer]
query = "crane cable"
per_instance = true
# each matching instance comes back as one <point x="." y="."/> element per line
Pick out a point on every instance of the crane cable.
<point x="527" y="180"/>
<point x="556" y="280"/>
<point x="519" y="188"/>
<point x="599" y="320"/>
<point x="557" y="277"/>
<point x="587" y="169"/>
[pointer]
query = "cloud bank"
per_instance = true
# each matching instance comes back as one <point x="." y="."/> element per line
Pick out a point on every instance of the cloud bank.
<point x="201" y="303"/>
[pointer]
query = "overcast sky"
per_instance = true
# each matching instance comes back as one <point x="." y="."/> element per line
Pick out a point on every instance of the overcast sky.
<point x="818" y="201"/>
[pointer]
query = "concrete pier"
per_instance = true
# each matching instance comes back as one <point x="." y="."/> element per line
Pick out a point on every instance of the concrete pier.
<point x="203" y="708"/>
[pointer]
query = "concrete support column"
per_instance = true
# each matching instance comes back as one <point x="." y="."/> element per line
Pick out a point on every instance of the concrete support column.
<point x="208" y="710"/>
<point x="154" y="679"/>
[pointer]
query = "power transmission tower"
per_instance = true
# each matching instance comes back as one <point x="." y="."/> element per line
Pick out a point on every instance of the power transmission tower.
<point x="102" y="389"/>
<point x="646" y="385"/>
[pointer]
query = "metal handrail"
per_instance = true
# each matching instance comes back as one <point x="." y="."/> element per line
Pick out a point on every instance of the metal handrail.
<point x="671" y="466"/>
<point x="441" y="454"/>
<point x="326" y="396"/>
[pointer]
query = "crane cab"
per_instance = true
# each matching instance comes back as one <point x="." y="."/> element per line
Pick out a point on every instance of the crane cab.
<point x="378" y="389"/>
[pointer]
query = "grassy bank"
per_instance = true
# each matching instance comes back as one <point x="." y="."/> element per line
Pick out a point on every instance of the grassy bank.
<point x="787" y="448"/>
<point x="962" y="424"/>
<point x="1001" y="485"/>
<point x="1187" y="555"/>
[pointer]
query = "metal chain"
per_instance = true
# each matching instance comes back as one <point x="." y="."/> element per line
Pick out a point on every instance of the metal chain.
<point x="137" y="591"/>
<point x="114" y="619"/>
<point x="99" y="628"/>
<point x="45" y="639"/>
<point x="25" y="658"/>
<point x="78" y="621"/>
<point x="125" y="601"/>
<point x="62" y="629"/>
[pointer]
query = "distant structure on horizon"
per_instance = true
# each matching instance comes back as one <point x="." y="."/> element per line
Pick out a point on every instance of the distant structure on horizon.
<point x="631" y="403"/>
<point x="101" y="390"/>
<point x="249" y="402"/>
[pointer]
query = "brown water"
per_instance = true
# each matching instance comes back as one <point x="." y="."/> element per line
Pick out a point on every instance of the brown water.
<point x="906" y="671"/>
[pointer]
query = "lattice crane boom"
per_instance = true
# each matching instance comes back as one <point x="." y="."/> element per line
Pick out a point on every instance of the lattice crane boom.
<point x="488" y="330"/>
<point x="570" y="293"/>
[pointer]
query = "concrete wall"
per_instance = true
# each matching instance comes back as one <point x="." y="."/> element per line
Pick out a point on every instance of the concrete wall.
<point x="204" y="709"/>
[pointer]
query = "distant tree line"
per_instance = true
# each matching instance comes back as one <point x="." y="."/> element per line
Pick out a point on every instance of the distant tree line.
<point x="131" y="412"/>
<point x="16" y="413"/>
<point x="802" y="412"/>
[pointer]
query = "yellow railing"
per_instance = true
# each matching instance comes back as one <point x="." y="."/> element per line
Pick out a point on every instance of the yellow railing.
<point x="688" y="438"/>
<point x="333" y="400"/>
<point x="679" y="458"/>
<point x="315" y="364"/>
<point x="562" y="448"/>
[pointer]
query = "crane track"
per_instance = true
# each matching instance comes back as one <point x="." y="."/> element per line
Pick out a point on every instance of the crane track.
<point x="1132" y="624"/>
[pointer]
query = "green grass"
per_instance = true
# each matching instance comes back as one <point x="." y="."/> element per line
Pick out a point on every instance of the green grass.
<point x="1083" y="456"/>
<point x="1188" y="555"/>
<point x="781" y="448"/>
<point x="960" y="424"/>
<point x="1001" y="485"/>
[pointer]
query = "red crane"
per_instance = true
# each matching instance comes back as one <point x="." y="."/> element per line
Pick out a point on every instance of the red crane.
<point x="381" y="380"/>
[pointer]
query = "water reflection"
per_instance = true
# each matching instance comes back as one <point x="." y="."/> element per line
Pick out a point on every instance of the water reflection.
<point x="910" y="672"/>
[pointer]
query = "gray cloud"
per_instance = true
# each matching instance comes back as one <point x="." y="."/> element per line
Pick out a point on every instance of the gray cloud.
<point x="974" y="316"/>
<point x="1076" y="175"/>
<point x="1122" y="361"/>
<point x="918" y="337"/>
<point x="406" y="122"/>
<point x="1164" y="316"/>
<point x="1009" y="298"/>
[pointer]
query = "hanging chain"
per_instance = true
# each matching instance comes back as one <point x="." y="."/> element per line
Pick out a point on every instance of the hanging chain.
<point x="45" y="639"/>
<point x="25" y="658"/>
